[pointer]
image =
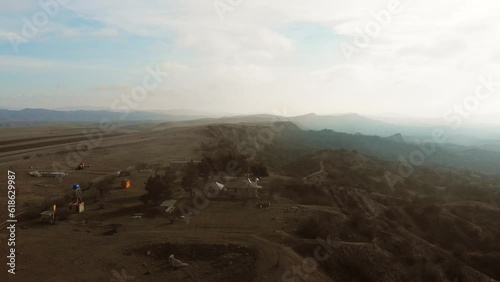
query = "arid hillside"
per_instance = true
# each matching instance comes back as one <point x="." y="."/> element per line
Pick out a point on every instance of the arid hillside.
<point x="433" y="225"/>
<point x="437" y="224"/>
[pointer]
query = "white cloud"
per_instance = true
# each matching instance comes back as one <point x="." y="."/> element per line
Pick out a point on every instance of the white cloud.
<point x="85" y="32"/>
<point x="425" y="59"/>
<point x="71" y="32"/>
<point x="4" y="35"/>
<point x="106" y="32"/>
<point x="8" y="62"/>
<point x="244" y="74"/>
<point x="173" y="68"/>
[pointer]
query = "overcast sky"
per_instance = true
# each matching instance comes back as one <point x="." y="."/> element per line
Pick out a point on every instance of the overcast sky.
<point x="249" y="56"/>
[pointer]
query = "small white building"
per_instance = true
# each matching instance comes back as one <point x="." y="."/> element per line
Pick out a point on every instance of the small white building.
<point x="50" y="174"/>
<point x="168" y="206"/>
<point x="238" y="189"/>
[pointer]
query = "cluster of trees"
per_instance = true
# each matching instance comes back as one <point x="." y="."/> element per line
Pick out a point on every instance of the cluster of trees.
<point x="259" y="170"/>
<point x="159" y="187"/>
<point x="191" y="177"/>
<point x="208" y="167"/>
<point x="194" y="175"/>
<point x="225" y="153"/>
<point x="105" y="185"/>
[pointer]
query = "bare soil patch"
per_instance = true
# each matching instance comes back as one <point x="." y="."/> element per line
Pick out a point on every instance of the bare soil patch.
<point x="207" y="262"/>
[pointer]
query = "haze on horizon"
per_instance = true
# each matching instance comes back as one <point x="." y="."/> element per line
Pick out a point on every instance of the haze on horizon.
<point x="422" y="58"/>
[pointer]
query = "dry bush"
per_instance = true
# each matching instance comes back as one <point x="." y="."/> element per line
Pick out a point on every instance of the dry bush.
<point x="105" y="185"/>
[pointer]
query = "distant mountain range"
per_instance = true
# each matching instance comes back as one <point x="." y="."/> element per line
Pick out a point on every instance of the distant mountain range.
<point x="355" y="124"/>
<point x="291" y="142"/>
<point x="26" y="117"/>
<point x="485" y="138"/>
<point x="348" y="123"/>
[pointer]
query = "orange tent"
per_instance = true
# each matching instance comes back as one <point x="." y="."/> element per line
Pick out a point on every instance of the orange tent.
<point x="126" y="184"/>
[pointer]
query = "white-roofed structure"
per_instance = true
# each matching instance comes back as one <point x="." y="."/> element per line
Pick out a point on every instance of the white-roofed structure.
<point x="168" y="206"/>
<point x="50" y="174"/>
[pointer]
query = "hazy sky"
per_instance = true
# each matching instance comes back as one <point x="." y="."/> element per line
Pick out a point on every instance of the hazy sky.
<point x="244" y="56"/>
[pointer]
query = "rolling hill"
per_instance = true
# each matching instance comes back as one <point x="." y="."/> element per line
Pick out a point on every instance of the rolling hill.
<point x="26" y="117"/>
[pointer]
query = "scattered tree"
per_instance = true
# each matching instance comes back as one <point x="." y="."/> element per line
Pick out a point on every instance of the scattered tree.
<point x="159" y="187"/>
<point x="205" y="168"/>
<point x="105" y="185"/>
<point x="259" y="170"/>
<point x="190" y="178"/>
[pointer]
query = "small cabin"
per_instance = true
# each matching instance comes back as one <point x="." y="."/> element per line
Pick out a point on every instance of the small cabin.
<point x="168" y="206"/>
<point x="239" y="189"/>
